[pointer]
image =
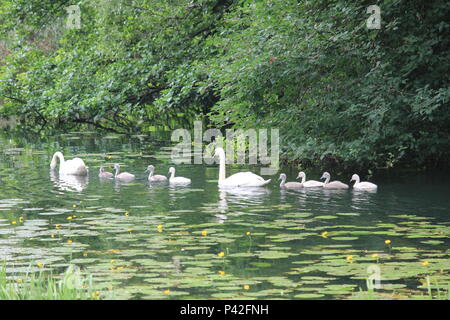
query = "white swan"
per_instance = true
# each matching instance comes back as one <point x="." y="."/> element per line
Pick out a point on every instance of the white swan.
<point x="177" y="180"/>
<point x="104" y="174"/>
<point x="154" y="177"/>
<point x="289" y="185"/>
<point x="75" y="166"/>
<point x="241" y="179"/>
<point x="309" y="183"/>
<point x="362" y="185"/>
<point x="333" y="184"/>
<point x="124" y="176"/>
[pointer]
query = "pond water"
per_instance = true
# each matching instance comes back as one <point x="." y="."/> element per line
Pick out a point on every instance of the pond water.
<point x="142" y="241"/>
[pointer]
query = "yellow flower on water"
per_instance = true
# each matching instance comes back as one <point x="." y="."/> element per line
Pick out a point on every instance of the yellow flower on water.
<point x="40" y="264"/>
<point x="221" y="272"/>
<point x="324" y="234"/>
<point x="74" y="206"/>
<point x="167" y="291"/>
<point x="246" y="287"/>
<point x="129" y="230"/>
<point x="69" y="241"/>
<point x="193" y="143"/>
<point x="126" y="214"/>
<point x="114" y="250"/>
<point x="112" y="261"/>
<point x="108" y="157"/>
<point x="349" y="258"/>
<point x="85" y="254"/>
<point x="221" y="254"/>
<point x="387" y="241"/>
<point x="52" y="235"/>
<point x="248" y="233"/>
<point x="159" y="228"/>
<point x="19" y="280"/>
<point x="21" y="219"/>
<point x="14" y="222"/>
<point x="57" y="226"/>
<point x="204" y="233"/>
<point x="425" y="263"/>
<point x="375" y="255"/>
<point x="95" y="294"/>
<point x="69" y="218"/>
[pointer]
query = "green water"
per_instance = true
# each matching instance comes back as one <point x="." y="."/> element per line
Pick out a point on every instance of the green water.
<point x="158" y="242"/>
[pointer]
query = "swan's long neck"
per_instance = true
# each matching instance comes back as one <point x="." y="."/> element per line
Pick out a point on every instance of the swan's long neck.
<point x="221" y="166"/>
<point x="150" y="173"/>
<point x="303" y="178"/>
<point x="283" y="181"/>
<point x="357" y="180"/>
<point x="117" y="171"/>
<point x="172" y="174"/>
<point x="58" y="155"/>
<point x="327" y="179"/>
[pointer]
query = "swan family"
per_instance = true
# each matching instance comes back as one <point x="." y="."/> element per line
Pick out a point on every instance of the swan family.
<point x="76" y="166"/>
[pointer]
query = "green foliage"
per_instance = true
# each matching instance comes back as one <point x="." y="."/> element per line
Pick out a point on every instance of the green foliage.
<point x="340" y="93"/>
<point x="72" y="286"/>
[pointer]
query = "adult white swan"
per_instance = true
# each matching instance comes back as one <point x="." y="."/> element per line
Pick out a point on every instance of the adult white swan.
<point x="75" y="166"/>
<point x="333" y="184"/>
<point x="154" y="177"/>
<point x="177" y="180"/>
<point x="124" y="176"/>
<point x="309" y="183"/>
<point x="289" y="185"/>
<point x="362" y="185"/>
<point x="241" y="179"/>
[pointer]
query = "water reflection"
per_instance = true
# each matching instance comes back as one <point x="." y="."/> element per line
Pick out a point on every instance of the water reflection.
<point x="242" y="196"/>
<point x="67" y="182"/>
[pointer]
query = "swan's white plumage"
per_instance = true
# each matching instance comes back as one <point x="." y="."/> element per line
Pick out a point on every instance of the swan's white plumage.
<point x="177" y="180"/>
<point x="75" y="166"/>
<point x="309" y="183"/>
<point x="240" y="179"/>
<point x="362" y="185"/>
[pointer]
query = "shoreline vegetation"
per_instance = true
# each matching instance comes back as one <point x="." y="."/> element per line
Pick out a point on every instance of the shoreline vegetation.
<point x="341" y="94"/>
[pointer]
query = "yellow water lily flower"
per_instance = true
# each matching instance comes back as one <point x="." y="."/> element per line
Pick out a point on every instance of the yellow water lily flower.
<point x="57" y="226"/>
<point x="324" y="234"/>
<point x="129" y="230"/>
<point x="425" y="263"/>
<point x="349" y="258"/>
<point x="14" y="222"/>
<point x="387" y="241"/>
<point x="221" y="254"/>
<point x="375" y="255"/>
<point x="69" y="218"/>
<point x="246" y="287"/>
<point x="69" y="241"/>
<point x="21" y="219"/>
<point x="40" y="264"/>
<point x="159" y="228"/>
<point x="126" y="214"/>
<point x="85" y="254"/>
<point x="74" y="206"/>
<point x="204" y="233"/>
<point x="221" y="272"/>
<point x="167" y="291"/>
<point x="248" y="233"/>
